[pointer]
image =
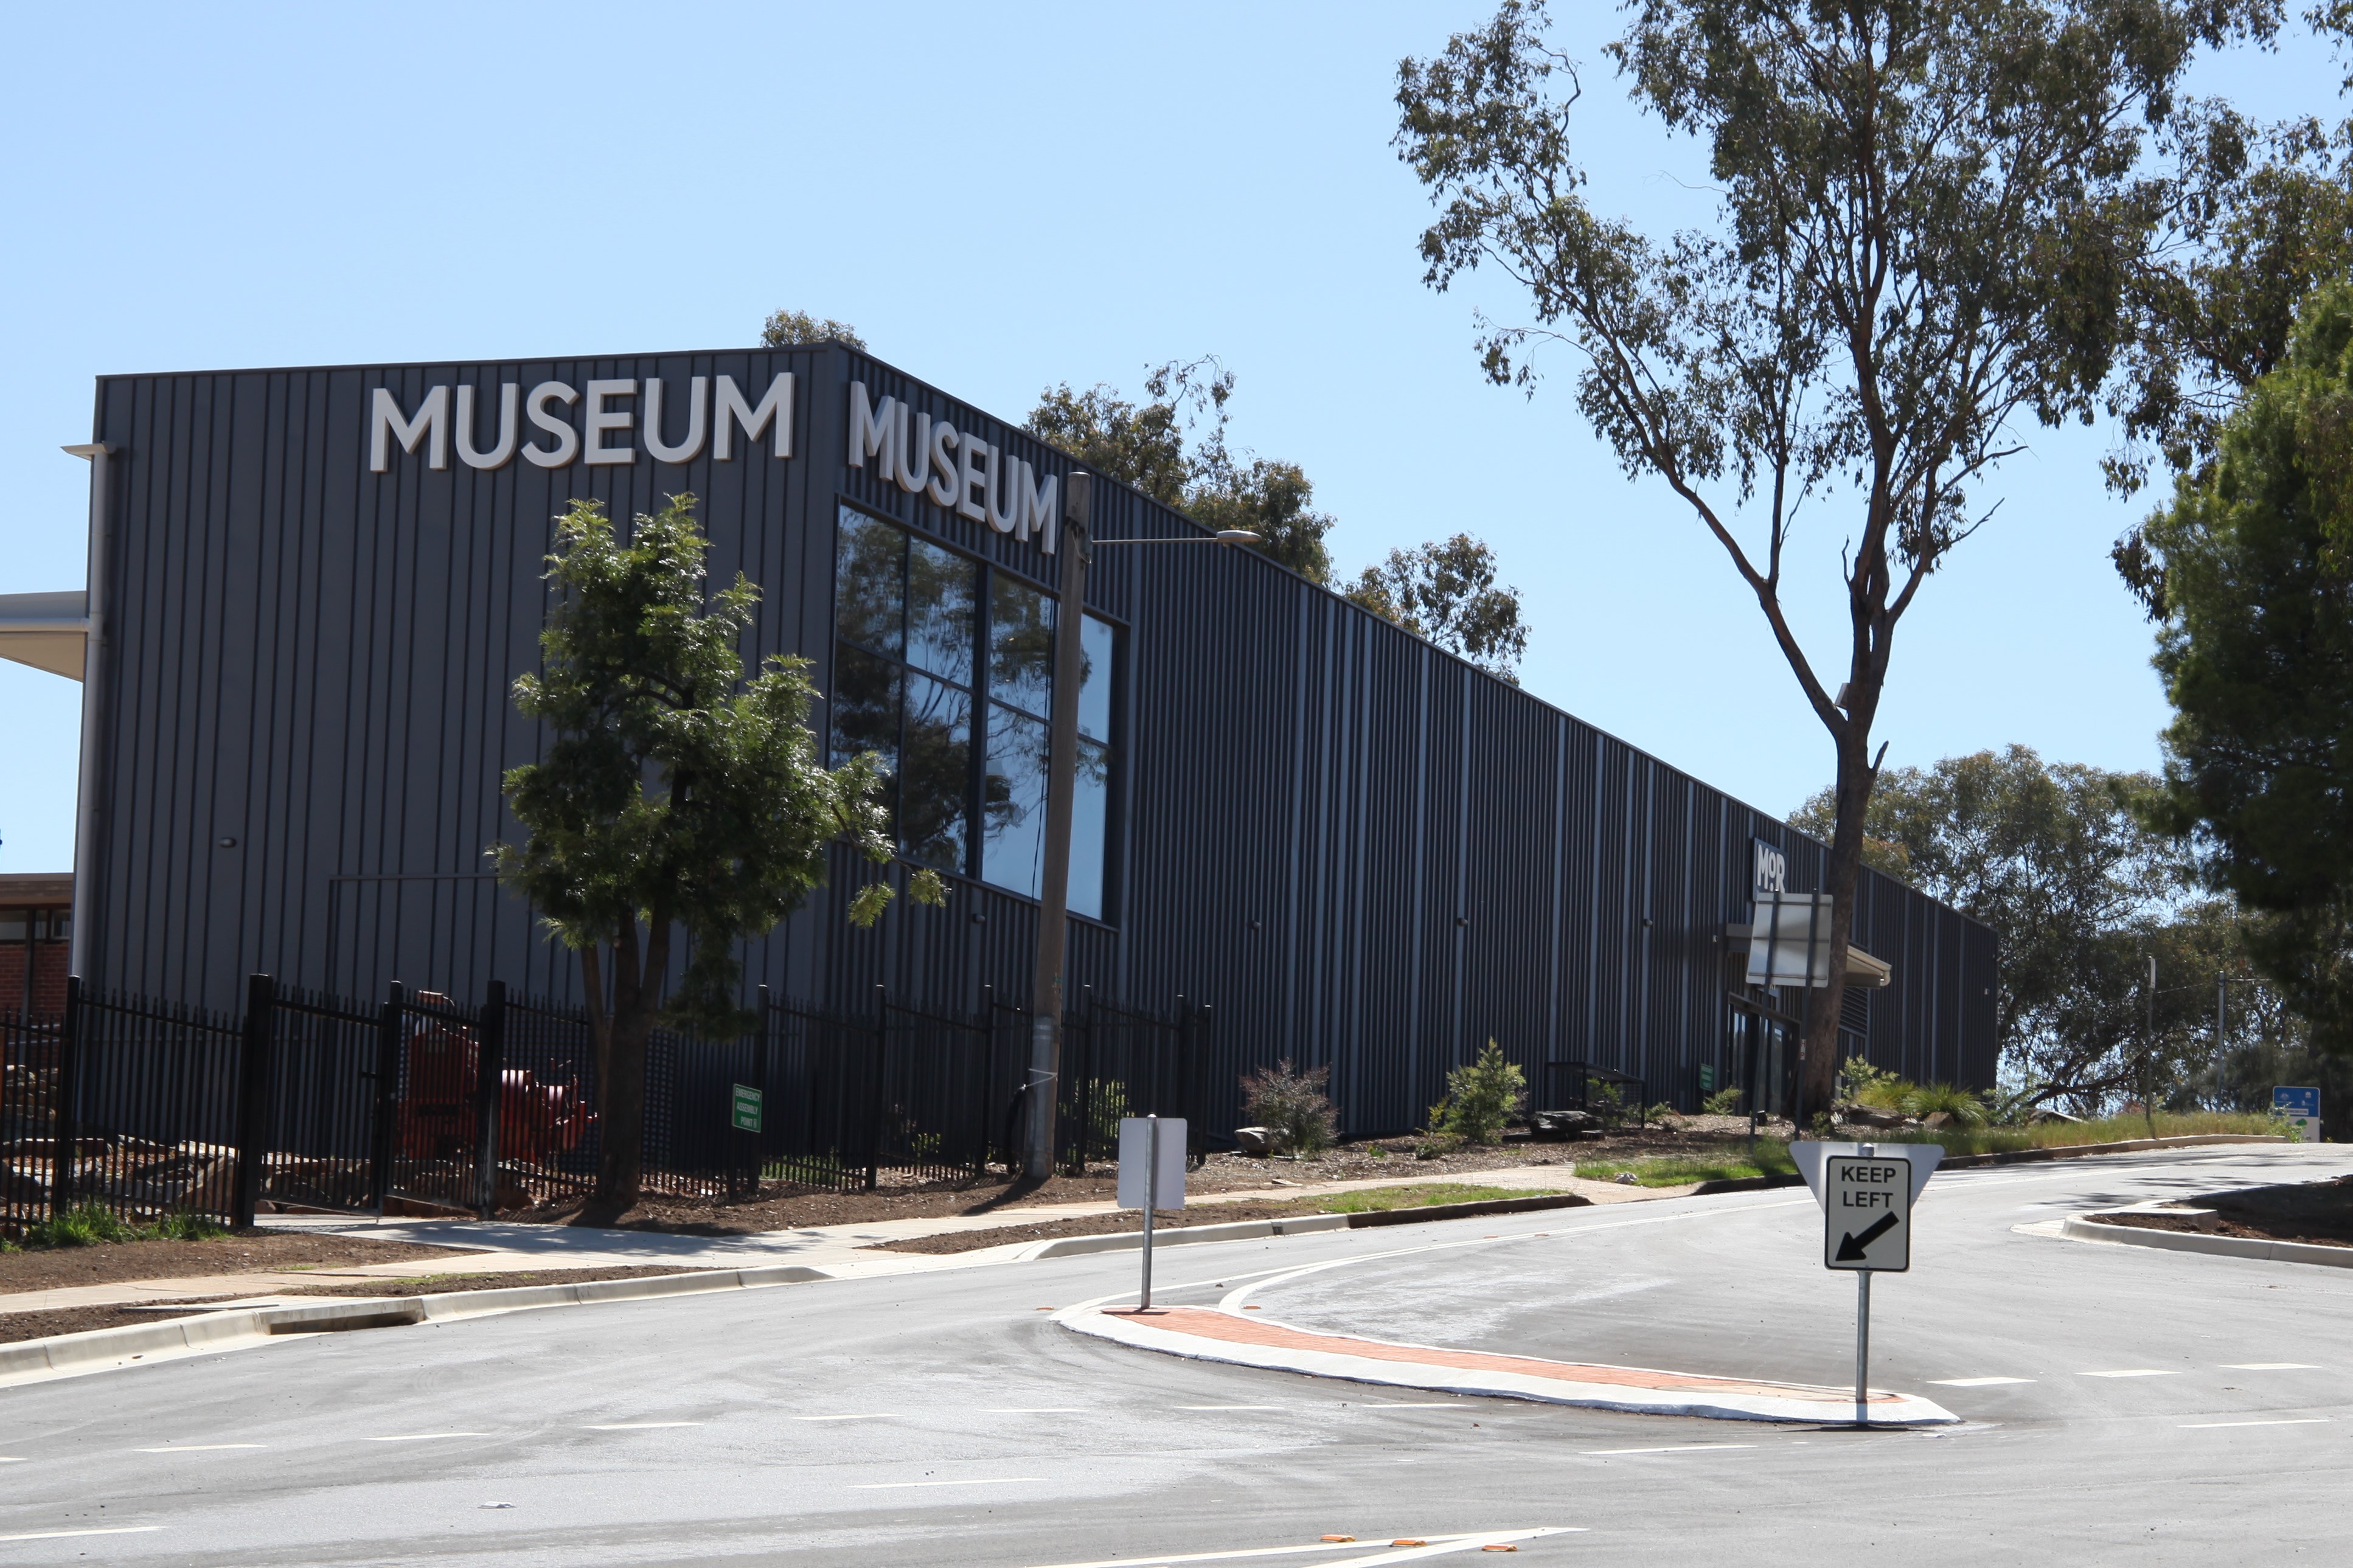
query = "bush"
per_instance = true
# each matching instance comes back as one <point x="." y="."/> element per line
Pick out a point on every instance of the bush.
<point x="84" y="1224"/>
<point x="1926" y="1099"/>
<point x="1481" y="1098"/>
<point x="1661" y="1112"/>
<point x="1723" y="1102"/>
<point x="1608" y="1105"/>
<point x="1293" y="1106"/>
<point x="1866" y="1085"/>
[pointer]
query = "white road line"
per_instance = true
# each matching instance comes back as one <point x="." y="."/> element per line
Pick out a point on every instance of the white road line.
<point x="1036" y="1410"/>
<point x="1986" y="1382"/>
<point x="2282" y="1421"/>
<point x="2133" y="1372"/>
<point x="2270" y="1366"/>
<point x="635" y="1426"/>
<point x="1418" y="1405"/>
<point x="426" y="1437"/>
<point x="197" y="1447"/>
<point x="1230" y="1407"/>
<point x="61" y="1534"/>
<point x="864" y="1416"/>
<point x="14" y="1460"/>
<point x="978" y="1481"/>
<point x="1677" y="1448"/>
<point x="1437" y="1543"/>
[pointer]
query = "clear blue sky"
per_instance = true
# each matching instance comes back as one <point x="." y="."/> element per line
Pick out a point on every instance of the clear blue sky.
<point x="999" y="198"/>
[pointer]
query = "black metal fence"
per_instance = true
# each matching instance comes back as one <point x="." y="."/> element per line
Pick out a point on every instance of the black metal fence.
<point x="310" y="1101"/>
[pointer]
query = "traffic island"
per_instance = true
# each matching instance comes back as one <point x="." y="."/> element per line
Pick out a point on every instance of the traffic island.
<point x="1207" y="1333"/>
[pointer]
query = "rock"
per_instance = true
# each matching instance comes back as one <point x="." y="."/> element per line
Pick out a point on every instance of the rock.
<point x="1870" y="1116"/>
<point x="1626" y="1179"/>
<point x="1562" y="1123"/>
<point x="1937" y="1119"/>
<point x="1259" y="1141"/>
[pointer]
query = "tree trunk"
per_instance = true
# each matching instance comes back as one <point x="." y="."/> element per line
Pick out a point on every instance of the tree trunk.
<point x="1817" y="1047"/>
<point x="621" y="1121"/>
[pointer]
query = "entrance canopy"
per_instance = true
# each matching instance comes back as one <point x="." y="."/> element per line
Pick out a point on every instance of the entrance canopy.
<point x="44" y="631"/>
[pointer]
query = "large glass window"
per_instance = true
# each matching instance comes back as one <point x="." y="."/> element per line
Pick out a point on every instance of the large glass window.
<point x="945" y="669"/>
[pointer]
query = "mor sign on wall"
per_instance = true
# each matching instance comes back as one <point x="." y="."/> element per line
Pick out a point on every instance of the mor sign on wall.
<point x="615" y="418"/>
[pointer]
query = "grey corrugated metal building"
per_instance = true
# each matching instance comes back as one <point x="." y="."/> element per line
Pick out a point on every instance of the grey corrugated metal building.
<point x="1362" y="851"/>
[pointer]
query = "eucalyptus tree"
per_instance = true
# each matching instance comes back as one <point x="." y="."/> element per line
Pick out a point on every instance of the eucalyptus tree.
<point x="1927" y="217"/>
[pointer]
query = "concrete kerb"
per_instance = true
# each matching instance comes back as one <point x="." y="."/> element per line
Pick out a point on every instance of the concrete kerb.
<point x="2087" y="1227"/>
<point x="99" y="1350"/>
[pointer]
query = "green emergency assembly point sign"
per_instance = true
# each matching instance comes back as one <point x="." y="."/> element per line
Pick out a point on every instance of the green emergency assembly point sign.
<point x="747" y="1109"/>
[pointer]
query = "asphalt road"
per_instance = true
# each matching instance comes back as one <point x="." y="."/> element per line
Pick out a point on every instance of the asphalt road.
<point x="2151" y="1406"/>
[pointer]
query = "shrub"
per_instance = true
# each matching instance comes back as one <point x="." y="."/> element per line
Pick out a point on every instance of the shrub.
<point x="1482" y="1098"/>
<point x="1293" y="1106"/>
<point x="84" y="1224"/>
<point x="1106" y="1102"/>
<point x="1608" y="1104"/>
<point x="180" y="1226"/>
<point x="1926" y="1099"/>
<point x="1876" y="1087"/>
<point x="1723" y="1102"/>
<point x="1661" y="1112"/>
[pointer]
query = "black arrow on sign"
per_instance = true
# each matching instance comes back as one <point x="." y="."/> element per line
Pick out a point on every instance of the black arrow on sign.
<point x="1852" y="1247"/>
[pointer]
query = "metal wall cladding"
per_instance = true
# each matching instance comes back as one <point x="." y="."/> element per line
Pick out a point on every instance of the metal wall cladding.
<point x="1357" y="849"/>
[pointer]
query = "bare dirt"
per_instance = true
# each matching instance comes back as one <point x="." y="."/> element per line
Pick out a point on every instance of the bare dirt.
<point x="245" y="1252"/>
<point x="2319" y="1213"/>
<point x="786" y="1206"/>
<point x="16" y="1327"/>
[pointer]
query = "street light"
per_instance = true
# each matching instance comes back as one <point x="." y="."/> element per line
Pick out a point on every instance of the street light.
<point x="1061" y="790"/>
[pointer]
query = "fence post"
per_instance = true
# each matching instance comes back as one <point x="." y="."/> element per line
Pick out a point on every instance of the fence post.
<point x="767" y="1036"/>
<point x="387" y="1096"/>
<point x="879" y="1081"/>
<point x="490" y="1061"/>
<point x="256" y="1084"/>
<point x="66" y="1125"/>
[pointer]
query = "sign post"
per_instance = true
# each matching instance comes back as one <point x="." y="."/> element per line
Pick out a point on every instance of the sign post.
<point x="1866" y="1198"/>
<point x="1151" y="1175"/>
<point x="2301" y="1106"/>
<point x="1866" y="1227"/>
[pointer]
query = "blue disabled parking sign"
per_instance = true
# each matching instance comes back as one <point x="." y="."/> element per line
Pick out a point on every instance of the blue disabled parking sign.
<point x="2301" y="1106"/>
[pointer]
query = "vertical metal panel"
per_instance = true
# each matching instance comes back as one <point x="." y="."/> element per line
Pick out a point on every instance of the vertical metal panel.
<point x="1360" y="852"/>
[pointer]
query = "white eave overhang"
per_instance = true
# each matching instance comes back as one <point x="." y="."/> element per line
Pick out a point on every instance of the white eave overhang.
<point x="44" y="631"/>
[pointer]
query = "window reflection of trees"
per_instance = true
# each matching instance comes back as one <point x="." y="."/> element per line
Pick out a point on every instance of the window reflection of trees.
<point x="940" y="611"/>
<point x="936" y="780"/>
<point x="870" y="569"/>
<point x="918" y="604"/>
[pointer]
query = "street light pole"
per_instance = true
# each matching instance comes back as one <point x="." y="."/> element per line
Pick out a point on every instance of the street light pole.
<point x="1061" y="793"/>
<point x="1061" y="790"/>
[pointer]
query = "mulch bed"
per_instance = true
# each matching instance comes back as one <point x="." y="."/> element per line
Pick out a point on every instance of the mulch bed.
<point x="2320" y="1213"/>
<point x="19" y="1326"/>
<point x="786" y="1206"/>
<point x="245" y="1252"/>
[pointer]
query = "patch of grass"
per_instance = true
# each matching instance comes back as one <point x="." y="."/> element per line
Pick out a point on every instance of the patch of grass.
<point x="1674" y="1169"/>
<point x="1369" y="1200"/>
<point x="2064" y="1134"/>
<point x="93" y="1225"/>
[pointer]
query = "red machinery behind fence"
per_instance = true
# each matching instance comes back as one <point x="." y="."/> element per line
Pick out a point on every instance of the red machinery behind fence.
<point x="536" y="1120"/>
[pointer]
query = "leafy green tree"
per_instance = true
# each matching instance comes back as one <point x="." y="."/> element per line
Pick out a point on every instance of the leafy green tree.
<point x="2080" y="894"/>
<point x="1174" y="449"/>
<point x="1446" y="592"/>
<point x="2256" y="650"/>
<point x="1927" y="212"/>
<point x="789" y="329"/>
<point x="671" y="796"/>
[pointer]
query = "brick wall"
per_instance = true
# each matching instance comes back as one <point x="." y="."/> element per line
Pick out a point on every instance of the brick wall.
<point x="48" y="977"/>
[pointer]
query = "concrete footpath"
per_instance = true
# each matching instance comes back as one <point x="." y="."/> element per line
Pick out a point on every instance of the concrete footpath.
<point x="842" y="1251"/>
